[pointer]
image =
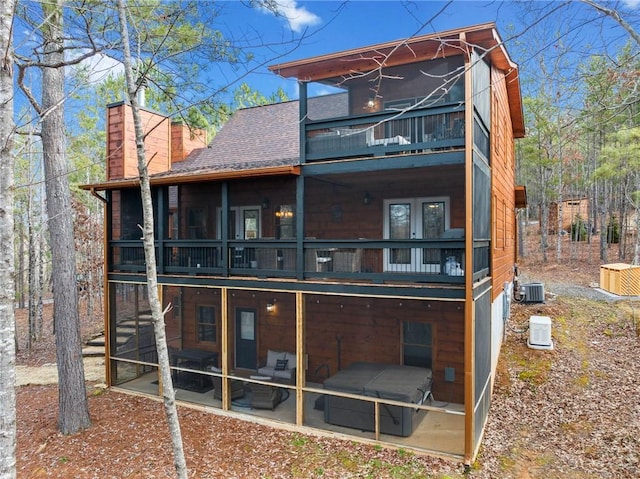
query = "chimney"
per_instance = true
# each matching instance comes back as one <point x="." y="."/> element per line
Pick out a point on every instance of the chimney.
<point x="184" y="140"/>
<point x="122" y="160"/>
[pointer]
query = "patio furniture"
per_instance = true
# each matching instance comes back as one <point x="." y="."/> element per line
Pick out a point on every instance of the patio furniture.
<point x="280" y="365"/>
<point x="192" y="358"/>
<point x="385" y="381"/>
<point x="347" y="261"/>
<point x="237" y="387"/>
<point x="265" y="396"/>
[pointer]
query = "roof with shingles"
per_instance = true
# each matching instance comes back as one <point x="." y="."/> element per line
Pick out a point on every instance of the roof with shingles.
<point x="257" y="137"/>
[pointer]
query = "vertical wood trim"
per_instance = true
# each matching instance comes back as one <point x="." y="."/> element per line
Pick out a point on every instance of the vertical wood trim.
<point x="300" y="359"/>
<point x="300" y="219"/>
<point x="224" y="347"/>
<point x="468" y="238"/>
<point x="224" y="227"/>
<point x="106" y="297"/>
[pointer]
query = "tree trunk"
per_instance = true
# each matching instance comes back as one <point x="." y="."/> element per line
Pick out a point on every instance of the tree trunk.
<point x="168" y="393"/>
<point x="7" y="280"/>
<point x="73" y="410"/>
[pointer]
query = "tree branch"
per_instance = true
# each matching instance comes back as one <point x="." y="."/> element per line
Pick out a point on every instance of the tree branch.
<point x="616" y="16"/>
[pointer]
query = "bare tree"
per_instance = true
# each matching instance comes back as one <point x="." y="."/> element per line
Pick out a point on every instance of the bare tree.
<point x="7" y="283"/>
<point x="73" y="408"/>
<point x="157" y="314"/>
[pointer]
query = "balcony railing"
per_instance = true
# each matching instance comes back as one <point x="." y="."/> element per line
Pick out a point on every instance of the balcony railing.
<point x="387" y="133"/>
<point x="377" y="261"/>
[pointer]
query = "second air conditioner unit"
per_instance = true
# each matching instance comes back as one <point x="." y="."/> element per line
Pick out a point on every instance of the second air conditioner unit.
<point x="533" y="293"/>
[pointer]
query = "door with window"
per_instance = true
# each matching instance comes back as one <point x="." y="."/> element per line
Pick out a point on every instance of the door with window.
<point x="414" y="218"/>
<point x="244" y="223"/>
<point x="246" y="344"/>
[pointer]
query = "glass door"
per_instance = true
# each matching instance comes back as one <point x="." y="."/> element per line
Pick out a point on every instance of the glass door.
<point x="414" y="218"/>
<point x="433" y="216"/>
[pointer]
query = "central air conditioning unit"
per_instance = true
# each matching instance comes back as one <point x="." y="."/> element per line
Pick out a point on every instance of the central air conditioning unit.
<point x="540" y="333"/>
<point x="532" y="292"/>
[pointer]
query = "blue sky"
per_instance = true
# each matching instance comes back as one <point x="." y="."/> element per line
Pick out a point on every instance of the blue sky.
<point x="322" y="27"/>
<point x="332" y="26"/>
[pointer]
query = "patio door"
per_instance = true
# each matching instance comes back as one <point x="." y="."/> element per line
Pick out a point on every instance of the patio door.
<point x="245" y="334"/>
<point x="244" y="222"/>
<point x="414" y="218"/>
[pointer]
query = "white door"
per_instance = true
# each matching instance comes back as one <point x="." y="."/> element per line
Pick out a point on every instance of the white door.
<point x="414" y="218"/>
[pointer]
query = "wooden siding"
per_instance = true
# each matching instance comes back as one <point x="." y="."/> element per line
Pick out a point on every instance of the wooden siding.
<point x="121" y="146"/>
<point x="503" y="181"/>
<point x="184" y="140"/>
<point x="334" y="208"/>
<point x="370" y="329"/>
<point x="115" y="206"/>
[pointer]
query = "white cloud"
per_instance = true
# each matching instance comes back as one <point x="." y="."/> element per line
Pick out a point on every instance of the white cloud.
<point x="298" y="17"/>
<point x="632" y="3"/>
<point x="99" y="66"/>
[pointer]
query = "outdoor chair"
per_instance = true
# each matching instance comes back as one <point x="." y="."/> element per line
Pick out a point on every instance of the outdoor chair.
<point x="347" y="261"/>
<point x="265" y="396"/>
<point x="237" y="388"/>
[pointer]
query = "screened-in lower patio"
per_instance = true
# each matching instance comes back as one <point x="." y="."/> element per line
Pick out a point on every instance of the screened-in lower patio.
<point x="375" y="368"/>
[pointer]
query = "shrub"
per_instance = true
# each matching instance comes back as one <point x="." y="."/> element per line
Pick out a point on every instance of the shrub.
<point x="613" y="230"/>
<point x="578" y="229"/>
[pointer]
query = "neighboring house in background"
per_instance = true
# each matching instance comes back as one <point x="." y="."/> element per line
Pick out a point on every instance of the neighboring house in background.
<point x="342" y="263"/>
<point x="568" y="209"/>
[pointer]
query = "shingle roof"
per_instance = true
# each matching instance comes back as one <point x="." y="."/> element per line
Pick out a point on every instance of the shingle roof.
<point x="265" y="138"/>
<point x="259" y="137"/>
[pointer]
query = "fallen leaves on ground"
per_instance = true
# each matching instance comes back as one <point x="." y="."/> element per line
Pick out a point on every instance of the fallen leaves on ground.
<point x="570" y="412"/>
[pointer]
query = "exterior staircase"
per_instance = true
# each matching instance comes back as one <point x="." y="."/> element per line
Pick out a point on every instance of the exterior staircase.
<point x="95" y="347"/>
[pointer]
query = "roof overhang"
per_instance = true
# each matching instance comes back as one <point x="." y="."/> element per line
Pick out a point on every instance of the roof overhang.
<point x="411" y="50"/>
<point x="191" y="177"/>
<point x="520" y="196"/>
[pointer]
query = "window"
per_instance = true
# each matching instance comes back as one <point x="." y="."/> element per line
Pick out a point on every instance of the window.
<point x="196" y="223"/>
<point x="206" y="323"/>
<point x="286" y="222"/>
<point x="415" y="218"/>
<point x="417" y="344"/>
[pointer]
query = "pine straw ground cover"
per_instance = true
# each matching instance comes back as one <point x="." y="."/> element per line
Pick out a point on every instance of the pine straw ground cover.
<point x="573" y="412"/>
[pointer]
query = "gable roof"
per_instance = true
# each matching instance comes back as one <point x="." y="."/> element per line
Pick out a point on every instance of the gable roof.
<point x="327" y="68"/>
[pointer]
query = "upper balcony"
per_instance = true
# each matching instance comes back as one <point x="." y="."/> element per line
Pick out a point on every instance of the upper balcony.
<point x="412" y="108"/>
<point x="390" y="132"/>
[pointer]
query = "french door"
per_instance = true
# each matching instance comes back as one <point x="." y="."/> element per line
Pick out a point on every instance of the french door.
<point x="414" y="218"/>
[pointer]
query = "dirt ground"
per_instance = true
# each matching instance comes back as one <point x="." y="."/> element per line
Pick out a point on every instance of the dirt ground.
<point x="571" y="412"/>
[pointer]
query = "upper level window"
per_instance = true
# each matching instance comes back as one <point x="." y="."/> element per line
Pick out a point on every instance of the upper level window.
<point x="196" y="223"/>
<point x="286" y="222"/>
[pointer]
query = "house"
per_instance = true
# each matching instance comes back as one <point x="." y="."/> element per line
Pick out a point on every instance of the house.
<point x="341" y="263"/>
<point x="567" y="210"/>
